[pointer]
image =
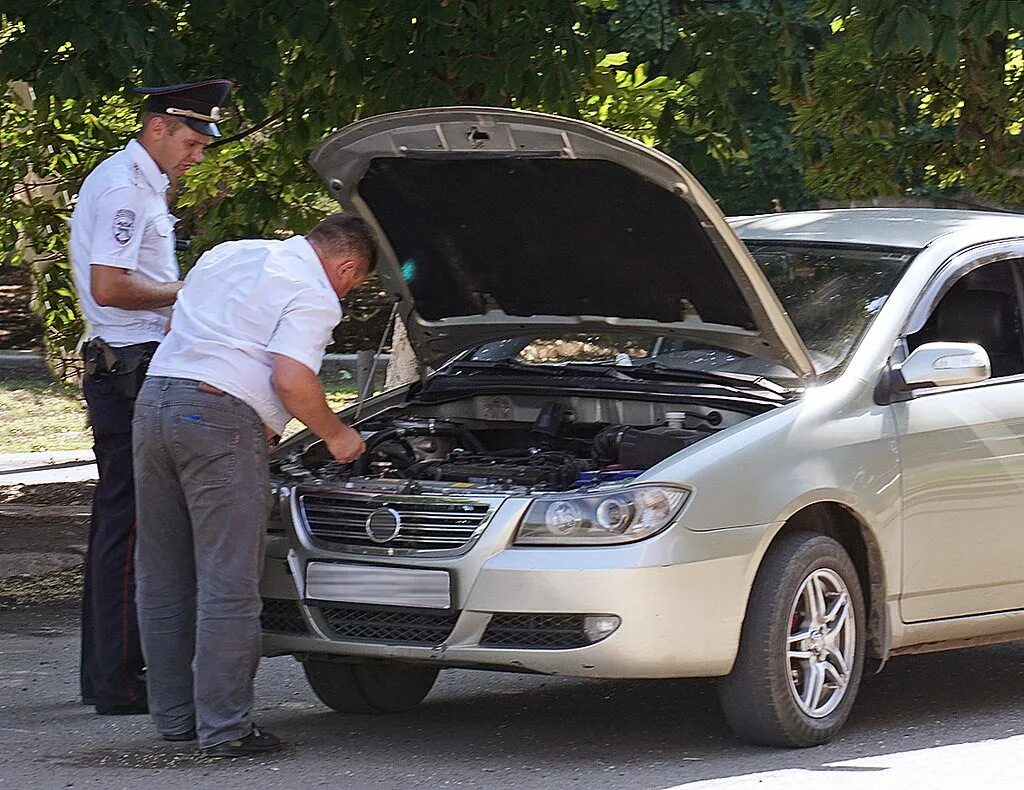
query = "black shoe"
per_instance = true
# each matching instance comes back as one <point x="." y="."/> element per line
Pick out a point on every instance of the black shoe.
<point x="131" y="709"/>
<point x="254" y="743"/>
<point x="188" y="735"/>
<point x="88" y="701"/>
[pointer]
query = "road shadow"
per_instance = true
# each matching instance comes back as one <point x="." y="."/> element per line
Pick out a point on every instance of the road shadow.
<point x="496" y="729"/>
<point x="519" y="723"/>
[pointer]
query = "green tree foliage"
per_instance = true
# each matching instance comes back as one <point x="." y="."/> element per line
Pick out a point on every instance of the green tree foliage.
<point x="304" y="69"/>
<point x="916" y="97"/>
<point x="787" y="99"/>
<point x="741" y="56"/>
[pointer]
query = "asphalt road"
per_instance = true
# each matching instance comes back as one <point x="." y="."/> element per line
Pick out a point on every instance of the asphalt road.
<point x="946" y="720"/>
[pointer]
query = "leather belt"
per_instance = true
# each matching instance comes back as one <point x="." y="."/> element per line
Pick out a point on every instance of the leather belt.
<point x="273" y="439"/>
<point x="202" y="386"/>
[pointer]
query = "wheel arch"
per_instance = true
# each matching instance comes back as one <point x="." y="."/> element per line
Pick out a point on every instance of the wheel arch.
<point x="843" y="525"/>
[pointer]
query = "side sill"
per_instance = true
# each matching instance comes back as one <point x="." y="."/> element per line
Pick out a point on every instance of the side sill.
<point x="956" y="644"/>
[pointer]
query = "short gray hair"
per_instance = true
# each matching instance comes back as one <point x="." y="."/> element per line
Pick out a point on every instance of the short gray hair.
<point x="344" y="234"/>
<point x="146" y="117"/>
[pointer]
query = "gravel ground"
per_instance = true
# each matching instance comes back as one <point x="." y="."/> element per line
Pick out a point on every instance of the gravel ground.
<point x="941" y="721"/>
<point x="41" y="555"/>
<point x="48" y="494"/>
<point x="42" y="530"/>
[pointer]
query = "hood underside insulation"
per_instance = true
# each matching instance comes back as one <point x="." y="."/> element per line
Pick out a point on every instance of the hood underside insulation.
<point x="547" y="236"/>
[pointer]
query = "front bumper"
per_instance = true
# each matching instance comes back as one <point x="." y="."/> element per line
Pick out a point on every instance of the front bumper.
<point x="680" y="598"/>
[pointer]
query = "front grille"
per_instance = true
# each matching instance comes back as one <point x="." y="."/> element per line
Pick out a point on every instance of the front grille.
<point x="535" y="631"/>
<point x="389" y="625"/>
<point x="281" y="616"/>
<point x="427" y="524"/>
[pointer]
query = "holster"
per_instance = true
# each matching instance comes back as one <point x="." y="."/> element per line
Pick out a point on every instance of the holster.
<point x="125" y="366"/>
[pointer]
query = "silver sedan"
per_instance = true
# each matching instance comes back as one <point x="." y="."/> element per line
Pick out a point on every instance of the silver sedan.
<point x="648" y="442"/>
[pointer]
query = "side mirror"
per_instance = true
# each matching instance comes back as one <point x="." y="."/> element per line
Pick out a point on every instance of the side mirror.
<point x="944" y="364"/>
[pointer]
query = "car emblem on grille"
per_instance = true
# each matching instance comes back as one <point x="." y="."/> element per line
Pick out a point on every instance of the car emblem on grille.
<point x="383" y="525"/>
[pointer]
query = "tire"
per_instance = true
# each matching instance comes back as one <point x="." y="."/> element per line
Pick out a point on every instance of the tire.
<point x="369" y="687"/>
<point x="777" y="698"/>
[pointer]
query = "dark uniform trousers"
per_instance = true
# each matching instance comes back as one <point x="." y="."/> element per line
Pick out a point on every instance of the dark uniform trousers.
<point x="112" y="662"/>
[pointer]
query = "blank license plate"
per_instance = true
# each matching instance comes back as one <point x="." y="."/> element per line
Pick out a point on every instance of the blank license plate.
<point x="376" y="584"/>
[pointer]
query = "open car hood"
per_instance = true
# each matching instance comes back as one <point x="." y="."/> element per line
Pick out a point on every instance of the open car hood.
<point x="498" y="222"/>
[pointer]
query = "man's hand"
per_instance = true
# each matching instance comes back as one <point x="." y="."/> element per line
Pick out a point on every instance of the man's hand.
<point x="299" y="390"/>
<point x="114" y="287"/>
<point x="347" y="446"/>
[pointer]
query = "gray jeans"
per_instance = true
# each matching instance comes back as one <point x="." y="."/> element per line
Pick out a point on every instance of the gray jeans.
<point x="203" y="498"/>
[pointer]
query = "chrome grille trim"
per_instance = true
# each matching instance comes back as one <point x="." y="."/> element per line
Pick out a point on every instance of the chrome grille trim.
<point x="431" y="525"/>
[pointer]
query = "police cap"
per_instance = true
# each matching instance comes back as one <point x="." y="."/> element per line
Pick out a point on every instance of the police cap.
<point x="197" y="103"/>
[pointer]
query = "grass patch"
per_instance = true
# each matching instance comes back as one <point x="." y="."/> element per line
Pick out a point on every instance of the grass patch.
<point x="340" y="391"/>
<point x="49" y="588"/>
<point x="339" y="388"/>
<point x="43" y="415"/>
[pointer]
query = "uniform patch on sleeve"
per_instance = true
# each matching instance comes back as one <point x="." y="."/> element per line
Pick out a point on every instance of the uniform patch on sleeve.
<point x="124" y="225"/>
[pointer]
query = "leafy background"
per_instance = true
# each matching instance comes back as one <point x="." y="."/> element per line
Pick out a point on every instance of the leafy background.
<point x="771" y="103"/>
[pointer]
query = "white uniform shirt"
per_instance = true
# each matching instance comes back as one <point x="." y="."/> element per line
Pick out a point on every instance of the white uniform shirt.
<point x="121" y="219"/>
<point x="243" y="302"/>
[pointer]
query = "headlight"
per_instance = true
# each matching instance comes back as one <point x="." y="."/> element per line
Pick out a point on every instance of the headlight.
<point x="620" y="516"/>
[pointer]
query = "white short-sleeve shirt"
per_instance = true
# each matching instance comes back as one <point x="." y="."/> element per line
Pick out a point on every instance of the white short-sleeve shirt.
<point x="121" y="219"/>
<point x="243" y="302"/>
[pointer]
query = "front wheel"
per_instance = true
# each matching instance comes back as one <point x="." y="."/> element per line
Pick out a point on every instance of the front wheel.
<point x="369" y="687"/>
<point x="801" y="653"/>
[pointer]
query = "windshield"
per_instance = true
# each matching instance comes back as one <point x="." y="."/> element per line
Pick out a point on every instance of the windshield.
<point x="831" y="293"/>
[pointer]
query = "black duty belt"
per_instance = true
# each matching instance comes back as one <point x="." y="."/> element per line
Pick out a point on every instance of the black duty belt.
<point x="124" y="366"/>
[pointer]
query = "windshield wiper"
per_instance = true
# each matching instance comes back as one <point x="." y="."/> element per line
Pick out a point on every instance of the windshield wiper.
<point x="503" y="364"/>
<point x="711" y="377"/>
<point x="647" y="370"/>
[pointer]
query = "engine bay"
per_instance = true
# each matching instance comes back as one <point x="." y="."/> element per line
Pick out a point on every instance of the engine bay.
<point x="524" y="443"/>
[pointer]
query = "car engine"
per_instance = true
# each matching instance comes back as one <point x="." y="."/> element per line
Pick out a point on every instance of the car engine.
<point x="557" y="451"/>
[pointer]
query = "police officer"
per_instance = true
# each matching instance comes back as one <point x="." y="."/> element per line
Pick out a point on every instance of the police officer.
<point x="126" y="276"/>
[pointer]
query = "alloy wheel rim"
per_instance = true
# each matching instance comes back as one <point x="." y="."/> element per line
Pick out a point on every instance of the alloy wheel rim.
<point x="821" y="643"/>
